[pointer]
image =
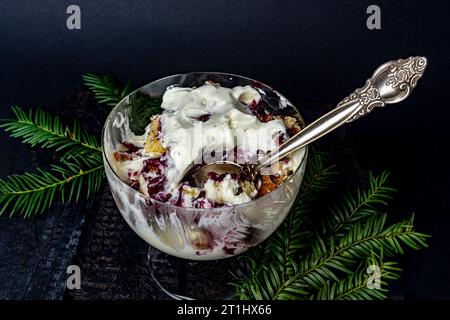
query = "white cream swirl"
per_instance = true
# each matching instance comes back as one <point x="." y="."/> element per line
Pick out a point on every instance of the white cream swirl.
<point x="229" y="124"/>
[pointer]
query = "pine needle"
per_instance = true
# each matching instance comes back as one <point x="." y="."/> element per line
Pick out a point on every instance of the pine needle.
<point x="79" y="173"/>
<point x="358" y="205"/>
<point x="47" y="131"/>
<point x="32" y="193"/>
<point x="107" y="89"/>
<point x="368" y="283"/>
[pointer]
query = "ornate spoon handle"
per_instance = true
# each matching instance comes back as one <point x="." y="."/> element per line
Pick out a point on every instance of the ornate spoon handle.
<point x="392" y="82"/>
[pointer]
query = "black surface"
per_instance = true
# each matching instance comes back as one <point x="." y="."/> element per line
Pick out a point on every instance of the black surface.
<point x="309" y="50"/>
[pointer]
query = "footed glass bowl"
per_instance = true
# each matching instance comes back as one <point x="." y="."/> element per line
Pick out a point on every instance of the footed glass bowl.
<point x="190" y="233"/>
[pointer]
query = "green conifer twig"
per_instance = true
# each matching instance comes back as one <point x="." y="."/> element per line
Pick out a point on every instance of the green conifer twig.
<point x="34" y="192"/>
<point x="47" y="131"/>
<point x="106" y="88"/>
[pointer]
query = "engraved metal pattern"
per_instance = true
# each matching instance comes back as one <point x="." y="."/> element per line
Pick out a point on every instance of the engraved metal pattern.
<point x="392" y="82"/>
<point x="368" y="98"/>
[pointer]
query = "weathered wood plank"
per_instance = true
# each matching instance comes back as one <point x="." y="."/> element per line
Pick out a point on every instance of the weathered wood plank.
<point x="35" y="253"/>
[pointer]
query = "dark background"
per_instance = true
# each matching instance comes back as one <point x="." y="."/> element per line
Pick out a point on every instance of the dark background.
<point x="309" y="50"/>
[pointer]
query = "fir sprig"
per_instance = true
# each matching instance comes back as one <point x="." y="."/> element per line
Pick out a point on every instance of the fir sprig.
<point x="34" y="192"/>
<point x="108" y="92"/>
<point x="106" y="89"/>
<point x="79" y="172"/>
<point x="358" y="205"/>
<point x="47" y="131"/>
<point x="355" y="285"/>
<point x="323" y="263"/>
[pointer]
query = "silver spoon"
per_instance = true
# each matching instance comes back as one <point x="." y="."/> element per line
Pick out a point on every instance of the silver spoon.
<point x="392" y="82"/>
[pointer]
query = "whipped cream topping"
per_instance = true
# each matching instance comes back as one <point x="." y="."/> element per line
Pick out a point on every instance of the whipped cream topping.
<point x="213" y="118"/>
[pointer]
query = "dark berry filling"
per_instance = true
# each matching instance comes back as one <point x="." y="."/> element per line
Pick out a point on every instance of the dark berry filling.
<point x="156" y="185"/>
<point x="204" y="117"/>
<point x="153" y="165"/>
<point x="134" y="184"/>
<point x="260" y="112"/>
<point x="130" y="148"/>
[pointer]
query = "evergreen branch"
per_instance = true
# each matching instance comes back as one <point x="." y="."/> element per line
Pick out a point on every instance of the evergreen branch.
<point x="357" y="206"/>
<point x="47" y="131"/>
<point x="108" y="91"/>
<point x="361" y="241"/>
<point x="106" y="88"/>
<point x="142" y="108"/>
<point x="318" y="176"/>
<point x="33" y="193"/>
<point x="356" y="285"/>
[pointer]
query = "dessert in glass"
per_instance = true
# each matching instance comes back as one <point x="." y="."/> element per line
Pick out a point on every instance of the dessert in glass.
<point x="204" y="117"/>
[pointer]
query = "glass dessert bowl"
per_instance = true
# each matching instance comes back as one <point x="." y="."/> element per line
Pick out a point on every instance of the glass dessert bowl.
<point x="194" y="231"/>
